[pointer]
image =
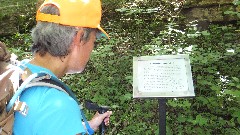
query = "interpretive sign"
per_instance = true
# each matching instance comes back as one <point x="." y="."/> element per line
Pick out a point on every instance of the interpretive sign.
<point x="162" y="76"/>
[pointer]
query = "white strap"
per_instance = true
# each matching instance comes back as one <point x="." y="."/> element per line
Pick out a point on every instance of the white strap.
<point x="32" y="84"/>
<point x="6" y="73"/>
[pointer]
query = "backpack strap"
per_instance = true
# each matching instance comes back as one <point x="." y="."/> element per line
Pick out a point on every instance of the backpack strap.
<point x="57" y="82"/>
<point x="22" y="88"/>
<point x="47" y="83"/>
<point x="44" y="79"/>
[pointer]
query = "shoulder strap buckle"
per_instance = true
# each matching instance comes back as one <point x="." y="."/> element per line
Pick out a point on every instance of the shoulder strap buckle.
<point x="21" y="107"/>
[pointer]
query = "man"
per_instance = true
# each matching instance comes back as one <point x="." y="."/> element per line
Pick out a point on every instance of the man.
<point x="63" y="40"/>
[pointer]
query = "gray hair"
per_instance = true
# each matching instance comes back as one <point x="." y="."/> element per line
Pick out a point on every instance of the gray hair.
<point x="54" y="38"/>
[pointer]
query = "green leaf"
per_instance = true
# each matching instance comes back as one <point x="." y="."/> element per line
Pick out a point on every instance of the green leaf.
<point x="201" y="120"/>
<point x="235" y="93"/>
<point x="235" y="79"/>
<point x="205" y="33"/>
<point x="229" y="12"/>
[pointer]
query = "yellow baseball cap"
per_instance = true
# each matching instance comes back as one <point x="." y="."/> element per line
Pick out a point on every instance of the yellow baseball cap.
<point x="79" y="13"/>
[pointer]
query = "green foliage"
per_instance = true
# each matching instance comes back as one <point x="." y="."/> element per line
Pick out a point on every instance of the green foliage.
<point x="237" y="13"/>
<point x="215" y="65"/>
<point x="144" y="27"/>
<point x="18" y="44"/>
<point x="17" y="16"/>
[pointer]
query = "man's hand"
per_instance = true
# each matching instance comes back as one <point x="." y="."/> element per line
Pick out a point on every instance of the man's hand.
<point x="99" y="118"/>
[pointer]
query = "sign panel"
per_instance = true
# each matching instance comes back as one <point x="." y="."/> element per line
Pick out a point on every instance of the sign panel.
<point x="162" y="76"/>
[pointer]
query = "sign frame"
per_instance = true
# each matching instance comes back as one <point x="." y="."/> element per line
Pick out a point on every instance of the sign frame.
<point x="181" y="60"/>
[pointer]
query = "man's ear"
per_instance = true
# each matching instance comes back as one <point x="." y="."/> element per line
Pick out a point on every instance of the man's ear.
<point x="78" y="37"/>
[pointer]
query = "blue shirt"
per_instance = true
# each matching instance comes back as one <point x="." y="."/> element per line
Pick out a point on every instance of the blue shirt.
<point x="51" y="112"/>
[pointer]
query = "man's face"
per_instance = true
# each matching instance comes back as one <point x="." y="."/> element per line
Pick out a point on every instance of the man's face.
<point x="81" y="54"/>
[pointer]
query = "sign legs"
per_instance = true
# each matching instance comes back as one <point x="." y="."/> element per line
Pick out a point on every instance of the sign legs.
<point x="162" y="116"/>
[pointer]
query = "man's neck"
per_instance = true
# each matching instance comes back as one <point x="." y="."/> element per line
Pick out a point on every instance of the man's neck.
<point x="55" y="64"/>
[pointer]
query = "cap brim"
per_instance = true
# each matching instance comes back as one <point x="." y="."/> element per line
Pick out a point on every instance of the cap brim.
<point x="103" y="32"/>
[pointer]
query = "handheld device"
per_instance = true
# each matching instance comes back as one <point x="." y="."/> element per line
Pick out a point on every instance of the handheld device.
<point x="101" y="109"/>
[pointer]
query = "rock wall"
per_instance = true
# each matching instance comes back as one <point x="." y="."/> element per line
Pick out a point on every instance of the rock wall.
<point x="209" y="10"/>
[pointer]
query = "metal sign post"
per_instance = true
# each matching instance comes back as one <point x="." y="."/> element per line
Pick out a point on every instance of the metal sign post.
<point x="162" y="116"/>
<point x="166" y="76"/>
